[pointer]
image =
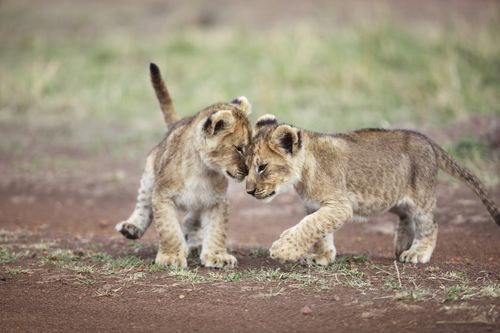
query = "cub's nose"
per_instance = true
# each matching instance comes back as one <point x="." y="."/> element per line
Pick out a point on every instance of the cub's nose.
<point x="251" y="187"/>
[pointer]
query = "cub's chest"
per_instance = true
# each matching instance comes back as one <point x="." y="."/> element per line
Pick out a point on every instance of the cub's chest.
<point x="199" y="192"/>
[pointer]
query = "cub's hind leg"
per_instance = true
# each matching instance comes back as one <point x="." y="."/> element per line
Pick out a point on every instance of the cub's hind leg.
<point x="405" y="232"/>
<point x="424" y="240"/>
<point x="142" y="216"/>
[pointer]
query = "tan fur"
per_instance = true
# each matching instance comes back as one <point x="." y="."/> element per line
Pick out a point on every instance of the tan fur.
<point x="188" y="170"/>
<point x="351" y="175"/>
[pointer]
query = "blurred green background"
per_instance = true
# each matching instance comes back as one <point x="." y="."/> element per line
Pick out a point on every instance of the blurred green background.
<point x="75" y="97"/>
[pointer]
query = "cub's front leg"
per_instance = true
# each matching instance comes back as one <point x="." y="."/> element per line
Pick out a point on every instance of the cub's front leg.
<point x="294" y="243"/>
<point x="214" y="252"/>
<point x="323" y="252"/>
<point x="172" y="249"/>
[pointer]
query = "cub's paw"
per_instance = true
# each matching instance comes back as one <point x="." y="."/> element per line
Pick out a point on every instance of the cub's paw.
<point x="283" y="250"/>
<point x="176" y="260"/>
<point x="218" y="260"/>
<point x="314" y="259"/>
<point x="129" y="230"/>
<point x="415" y="256"/>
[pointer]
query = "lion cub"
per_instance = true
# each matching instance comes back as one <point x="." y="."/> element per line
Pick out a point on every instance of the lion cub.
<point x="343" y="176"/>
<point x="188" y="170"/>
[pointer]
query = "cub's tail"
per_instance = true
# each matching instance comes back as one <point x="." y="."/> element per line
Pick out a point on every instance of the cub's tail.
<point x="450" y="166"/>
<point x="166" y="105"/>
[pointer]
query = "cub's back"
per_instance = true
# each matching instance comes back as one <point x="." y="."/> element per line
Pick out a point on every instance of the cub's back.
<point x="397" y="159"/>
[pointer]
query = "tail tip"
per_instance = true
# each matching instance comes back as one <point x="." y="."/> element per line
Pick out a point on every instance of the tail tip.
<point x="153" y="68"/>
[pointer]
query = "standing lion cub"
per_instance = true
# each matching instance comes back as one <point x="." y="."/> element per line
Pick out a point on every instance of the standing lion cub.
<point x="356" y="174"/>
<point x="187" y="170"/>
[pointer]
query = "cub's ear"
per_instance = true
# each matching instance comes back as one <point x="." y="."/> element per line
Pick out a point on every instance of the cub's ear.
<point x="265" y="120"/>
<point x="287" y="138"/>
<point x="243" y="104"/>
<point x="219" y="121"/>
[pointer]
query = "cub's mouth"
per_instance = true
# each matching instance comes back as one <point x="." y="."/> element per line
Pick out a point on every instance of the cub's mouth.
<point x="264" y="196"/>
<point x="239" y="176"/>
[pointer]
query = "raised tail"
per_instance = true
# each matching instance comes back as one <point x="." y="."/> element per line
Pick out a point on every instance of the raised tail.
<point x="166" y="105"/>
<point x="448" y="164"/>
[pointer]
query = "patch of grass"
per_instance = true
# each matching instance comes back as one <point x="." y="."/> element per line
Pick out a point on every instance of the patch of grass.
<point x="456" y="276"/>
<point x="412" y="295"/>
<point x="7" y="256"/>
<point x="59" y="257"/>
<point x="84" y="269"/>
<point x="353" y="259"/>
<point x="454" y="293"/>
<point x="392" y="283"/>
<point x="136" y="276"/>
<point x="347" y="273"/>
<point x="100" y="257"/>
<point x="16" y="270"/>
<point x="184" y="275"/>
<point x="127" y="262"/>
<point x="463" y="291"/>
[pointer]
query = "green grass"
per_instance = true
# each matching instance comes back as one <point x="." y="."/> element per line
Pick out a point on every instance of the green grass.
<point x="59" y="257"/>
<point x="370" y="77"/>
<point x="378" y="75"/>
<point x="7" y="256"/>
<point x="16" y="270"/>
<point x="413" y="295"/>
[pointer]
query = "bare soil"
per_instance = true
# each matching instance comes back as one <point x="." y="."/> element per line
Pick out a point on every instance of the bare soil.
<point x="48" y="298"/>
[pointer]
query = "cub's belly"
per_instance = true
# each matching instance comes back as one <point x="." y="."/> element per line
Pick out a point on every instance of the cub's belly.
<point x="366" y="205"/>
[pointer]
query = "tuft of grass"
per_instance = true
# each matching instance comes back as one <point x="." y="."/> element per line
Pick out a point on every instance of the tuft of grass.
<point x="126" y="262"/>
<point x="184" y="275"/>
<point x="84" y="269"/>
<point x="463" y="291"/>
<point x="100" y="257"/>
<point x="412" y="295"/>
<point x="392" y="283"/>
<point x="17" y="270"/>
<point x="6" y="256"/>
<point x="59" y="257"/>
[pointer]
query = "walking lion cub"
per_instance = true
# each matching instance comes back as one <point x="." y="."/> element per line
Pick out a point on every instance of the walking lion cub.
<point x="343" y="176"/>
<point x="188" y="170"/>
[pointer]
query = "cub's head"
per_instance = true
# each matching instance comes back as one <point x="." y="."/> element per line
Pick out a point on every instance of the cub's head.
<point x="274" y="158"/>
<point x="226" y="135"/>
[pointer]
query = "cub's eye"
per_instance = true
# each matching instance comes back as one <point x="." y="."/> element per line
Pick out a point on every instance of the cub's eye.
<point x="240" y="149"/>
<point x="261" y="168"/>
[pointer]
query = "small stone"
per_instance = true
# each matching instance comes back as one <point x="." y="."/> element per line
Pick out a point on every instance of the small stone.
<point x="181" y="296"/>
<point x="306" y="310"/>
